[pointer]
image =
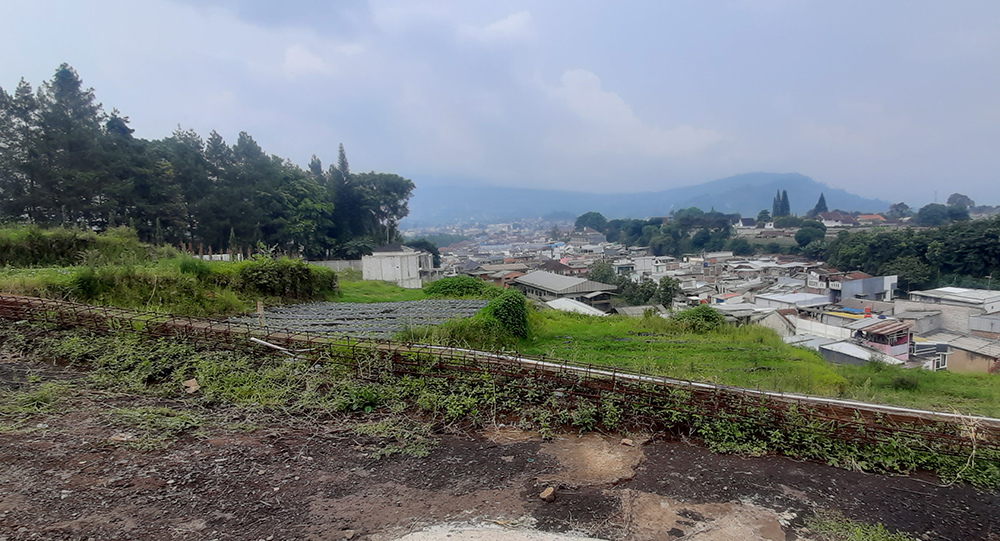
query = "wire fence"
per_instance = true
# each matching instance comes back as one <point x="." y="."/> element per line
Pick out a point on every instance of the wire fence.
<point x="656" y="396"/>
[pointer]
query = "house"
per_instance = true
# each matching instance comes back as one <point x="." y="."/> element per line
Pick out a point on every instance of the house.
<point x="968" y="353"/>
<point x="745" y="223"/>
<point x="836" y="219"/>
<point x="396" y="263"/>
<point x="547" y="286"/>
<point x="961" y="310"/>
<point x="870" y="219"/>
<point x="887" y="335"/>
<point x="555" y="267"/>
<point x="587" y="236"/>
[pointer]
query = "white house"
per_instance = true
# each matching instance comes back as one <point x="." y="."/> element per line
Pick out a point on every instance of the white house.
<point x="393" y="263"/>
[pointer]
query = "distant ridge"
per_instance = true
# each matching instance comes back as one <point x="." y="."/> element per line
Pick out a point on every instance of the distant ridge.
<point x="746" y="194"/>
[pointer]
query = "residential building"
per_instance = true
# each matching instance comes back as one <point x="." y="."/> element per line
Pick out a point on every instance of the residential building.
<point x="397" y="264"/>
<point x="547" y="286"/>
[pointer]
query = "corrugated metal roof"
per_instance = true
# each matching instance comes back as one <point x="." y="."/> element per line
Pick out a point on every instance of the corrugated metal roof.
<point x="880" y="326"/>
<point x="561" y="285"/>
<point x="858" y="352"/>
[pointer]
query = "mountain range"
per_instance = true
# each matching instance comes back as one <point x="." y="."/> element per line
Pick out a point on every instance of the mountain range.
<point x="746" y="194"/>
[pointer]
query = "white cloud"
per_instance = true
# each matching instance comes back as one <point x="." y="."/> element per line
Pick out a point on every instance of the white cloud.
<point x="518" y="26"/>
<point x="608" y="123"/>
<point x="301" y="61"/>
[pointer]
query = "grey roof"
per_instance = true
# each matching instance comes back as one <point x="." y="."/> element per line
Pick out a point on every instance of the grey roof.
<point x="960" y="294"/>
<point x="989" y="348"/>
<point x="561" y="285"/>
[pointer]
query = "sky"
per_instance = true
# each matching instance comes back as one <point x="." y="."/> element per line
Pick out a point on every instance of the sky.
<point x="893" y="99"/>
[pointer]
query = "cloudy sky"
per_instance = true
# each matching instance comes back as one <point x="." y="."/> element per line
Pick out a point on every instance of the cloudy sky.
<point x="889" y="99"/>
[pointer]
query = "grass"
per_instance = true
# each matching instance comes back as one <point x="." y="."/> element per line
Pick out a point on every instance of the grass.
<point x="833" y="526"/>
<point x="176" y="285"/>
<point x="364" y="291"/>
<point x="401" y="414"/>
<point x="751" y="357"/>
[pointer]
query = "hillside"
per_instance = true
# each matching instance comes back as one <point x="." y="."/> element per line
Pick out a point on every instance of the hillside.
<point x="747" y="194"/>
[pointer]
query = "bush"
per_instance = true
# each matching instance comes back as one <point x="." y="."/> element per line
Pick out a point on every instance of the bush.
<point x="461" y="287"/>
<point x="701" y="319"/>
<point x="32" y="246"/>
<point x="510" y="310"/>
<point x="285" y="278"/>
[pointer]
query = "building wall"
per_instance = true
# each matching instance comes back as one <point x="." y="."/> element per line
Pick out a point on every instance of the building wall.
<point x="401" y="268"/>
<point x="967" y="361"/>
<point x="338" y="264"/>
<point x="808" y="326"/>
<point x="953" y="318"/>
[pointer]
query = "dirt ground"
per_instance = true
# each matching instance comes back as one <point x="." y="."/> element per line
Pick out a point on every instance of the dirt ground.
<point x="70" y="474"/>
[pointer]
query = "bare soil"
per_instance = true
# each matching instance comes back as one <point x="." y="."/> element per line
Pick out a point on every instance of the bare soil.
<point x="71" y="474"/>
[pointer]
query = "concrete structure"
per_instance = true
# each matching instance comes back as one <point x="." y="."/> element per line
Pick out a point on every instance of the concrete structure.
<point x="547" y="286"/>
<point x="987" y="302"/>
<point x="587" y="236"/>
<point x="848" y="353"/>
<point x="791" y="300"/>
<point x="987" y="326"/>
<point x="394" y="263"/>
<point x="338" y="264"/>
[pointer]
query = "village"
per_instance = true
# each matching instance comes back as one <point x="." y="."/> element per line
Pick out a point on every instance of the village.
<point x="849" y="317"/>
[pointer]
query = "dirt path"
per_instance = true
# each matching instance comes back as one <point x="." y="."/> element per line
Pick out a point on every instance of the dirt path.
<point x="72" y="474"/>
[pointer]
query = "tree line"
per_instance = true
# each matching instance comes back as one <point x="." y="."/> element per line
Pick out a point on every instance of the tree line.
<point x="65" y="161"/>
<point x="965" y="253"/>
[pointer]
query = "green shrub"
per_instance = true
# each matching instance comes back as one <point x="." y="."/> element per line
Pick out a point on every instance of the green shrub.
<point x="285" y="278"/>
<point x="701" y="319"/>
<point x="510" y="310"/>
<point x="196" y="267"/>
<point x="32" y="246"/>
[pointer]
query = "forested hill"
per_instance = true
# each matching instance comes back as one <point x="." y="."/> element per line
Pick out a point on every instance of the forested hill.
<point x="746" y="194"/>
<point x="65" y="161"/>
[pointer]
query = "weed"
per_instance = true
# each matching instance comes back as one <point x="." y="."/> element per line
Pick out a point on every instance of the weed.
<point x="156" y="426"/>
<point x="833" y="526"/>
<point x="400" y="435"/>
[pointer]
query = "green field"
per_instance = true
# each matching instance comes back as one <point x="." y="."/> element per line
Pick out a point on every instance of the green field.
<point x="751" y="357"/>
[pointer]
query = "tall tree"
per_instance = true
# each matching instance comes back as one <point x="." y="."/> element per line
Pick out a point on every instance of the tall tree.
<point x="776" y="205"/>
<point x="342" y="165"/>
<point x="820" y="205"/>
<point x="786" y="207"/>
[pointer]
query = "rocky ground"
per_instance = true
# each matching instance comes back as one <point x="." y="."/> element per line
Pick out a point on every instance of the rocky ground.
<point x="74" y="471"/>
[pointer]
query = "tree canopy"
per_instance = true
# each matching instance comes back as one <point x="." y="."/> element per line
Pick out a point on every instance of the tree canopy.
<point x="65" y="161"/>
<point x="593" y="220"/>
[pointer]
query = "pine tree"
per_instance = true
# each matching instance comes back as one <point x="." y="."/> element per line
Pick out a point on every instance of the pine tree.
<point x="776" y="205"/>
<point x="786" y="208"/>
<point x="342" y="165"/>
<point x="820" y="205"/>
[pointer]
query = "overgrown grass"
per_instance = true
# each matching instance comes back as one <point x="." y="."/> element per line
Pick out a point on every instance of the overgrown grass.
<point x="750" y="356"/>
<point x="178" y="285"/>
<point x="32" y="246"/>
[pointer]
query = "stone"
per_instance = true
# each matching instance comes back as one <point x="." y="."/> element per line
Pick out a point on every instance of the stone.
<point x="348" y="534"/>
<point x="191" y="385"/>
<point x="548" y="494"/>
<point x="628" y="441"/>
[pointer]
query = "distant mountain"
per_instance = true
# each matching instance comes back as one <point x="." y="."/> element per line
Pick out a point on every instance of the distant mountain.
<point x="746" y="194"/>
